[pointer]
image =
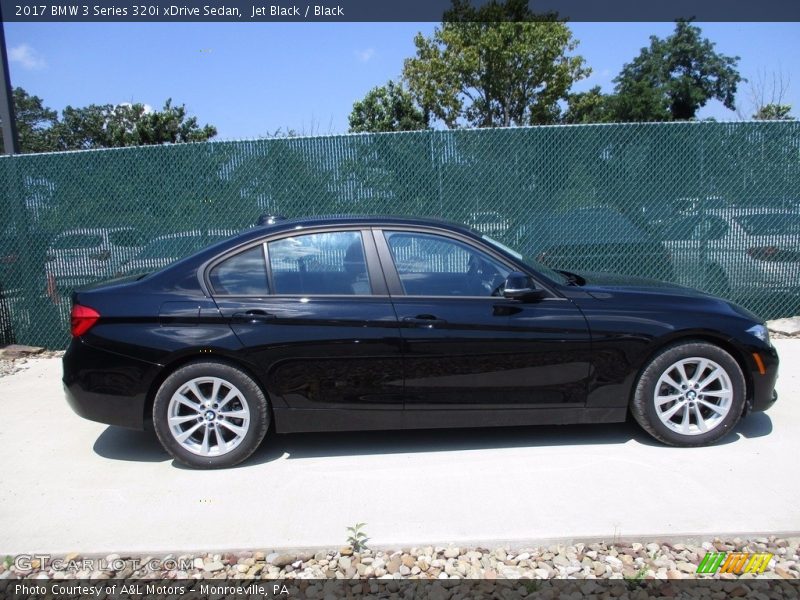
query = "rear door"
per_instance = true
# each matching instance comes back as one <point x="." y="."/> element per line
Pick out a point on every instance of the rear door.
<point x="314" y="315"/>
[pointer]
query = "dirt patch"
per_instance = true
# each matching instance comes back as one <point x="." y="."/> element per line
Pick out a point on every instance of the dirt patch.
<point x="16" y="357"/>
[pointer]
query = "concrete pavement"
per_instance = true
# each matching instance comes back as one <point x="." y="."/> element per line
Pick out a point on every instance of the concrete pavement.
<point x="67" y="484"/>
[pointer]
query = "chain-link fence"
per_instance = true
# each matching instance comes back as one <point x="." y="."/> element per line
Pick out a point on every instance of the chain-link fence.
<point x="715" y="206"/>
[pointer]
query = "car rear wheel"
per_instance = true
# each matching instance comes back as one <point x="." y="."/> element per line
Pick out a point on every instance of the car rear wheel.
<point x="690" y="394"/>
<point x="210" y="414"/>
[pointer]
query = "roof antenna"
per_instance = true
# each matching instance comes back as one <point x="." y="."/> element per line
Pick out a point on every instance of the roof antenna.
<point x="266" y="219"/>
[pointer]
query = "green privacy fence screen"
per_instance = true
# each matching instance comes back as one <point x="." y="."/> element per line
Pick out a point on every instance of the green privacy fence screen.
<point x="709" y="205"/>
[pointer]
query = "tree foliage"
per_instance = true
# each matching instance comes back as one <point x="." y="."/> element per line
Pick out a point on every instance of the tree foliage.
<point x="102" y="126"/>
<point x="673" y="78"/>
<point x="589" y="107"/>
<point x="774" y="112"/>
<point x="768" y="94"/>
<point x="35" y="123"/>
<point x="113" y="126"/>
<point x="494" y="65"/>
<point x="387" y="108"/>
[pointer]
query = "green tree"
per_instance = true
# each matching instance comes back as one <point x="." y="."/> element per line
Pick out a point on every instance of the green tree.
<point x="674" y="77"/>
<point x="768" y="94"/>
<point x="113" y="126"/>
<point x="102" y="126"/>
<point x="499" y="64"/>
<point x="589" y="107"/>
<point x="35" y="123"/>
<point x="387" y="108"/>
<point x="774" y="112"/>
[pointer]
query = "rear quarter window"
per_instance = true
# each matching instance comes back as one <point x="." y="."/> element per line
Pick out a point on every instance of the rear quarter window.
<point x="243" y="274"/>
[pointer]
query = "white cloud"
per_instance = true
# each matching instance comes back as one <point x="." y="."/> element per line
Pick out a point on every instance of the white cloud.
<point x="365" y="55"/>
<point x="147" y="108"/>
<point x="603" y="75"/>
<point x="26" y="57"/>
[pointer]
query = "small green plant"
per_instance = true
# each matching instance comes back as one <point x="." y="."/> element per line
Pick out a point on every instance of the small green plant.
<point x="8" y="561"/>
<point x="357" y="537"/>
<point x="532" y="585"/>
<point x="633" y="581"/>
<point x="655" y="554"/>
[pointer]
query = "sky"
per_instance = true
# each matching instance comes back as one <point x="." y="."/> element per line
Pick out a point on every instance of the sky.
<point x="251" y="80"/>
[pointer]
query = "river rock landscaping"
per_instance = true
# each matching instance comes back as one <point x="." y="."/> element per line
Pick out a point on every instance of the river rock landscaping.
<point x="623" y="560"/>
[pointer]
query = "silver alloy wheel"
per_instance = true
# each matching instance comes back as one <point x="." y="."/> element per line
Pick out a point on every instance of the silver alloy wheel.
<point x="693" y="396"/>
<point x="208" y="416"/>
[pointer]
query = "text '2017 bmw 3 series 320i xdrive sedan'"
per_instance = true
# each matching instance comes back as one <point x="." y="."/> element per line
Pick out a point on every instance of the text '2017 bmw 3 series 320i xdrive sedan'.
<point x="387" y="323"/>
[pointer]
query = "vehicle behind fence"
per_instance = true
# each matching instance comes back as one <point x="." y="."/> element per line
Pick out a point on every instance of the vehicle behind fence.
<point x="714" y="206"/>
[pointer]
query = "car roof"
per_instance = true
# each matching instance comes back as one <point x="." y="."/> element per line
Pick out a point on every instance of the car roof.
<point x="286" y="225"/>
<point x="346" y="220"/>
<point x="196" y="233"/>
<point x="94" y="230"/>
<point x="754" y="210"/>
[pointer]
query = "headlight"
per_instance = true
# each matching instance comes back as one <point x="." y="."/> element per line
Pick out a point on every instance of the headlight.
<point x="761" y="332"/>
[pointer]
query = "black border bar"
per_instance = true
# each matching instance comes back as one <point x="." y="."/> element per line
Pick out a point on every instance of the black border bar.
<point x="295" y="589"/>
<point x="249" y="11"/>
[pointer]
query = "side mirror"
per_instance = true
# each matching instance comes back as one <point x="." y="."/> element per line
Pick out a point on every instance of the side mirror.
<point x="519" y="286"/>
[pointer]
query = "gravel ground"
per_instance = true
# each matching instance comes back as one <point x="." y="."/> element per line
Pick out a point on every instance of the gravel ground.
<point x="631" y="561"/>
<point x="9" y="366"/>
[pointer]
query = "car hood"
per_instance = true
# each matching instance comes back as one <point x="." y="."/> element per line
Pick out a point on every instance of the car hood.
<point x="640" y="292"/>
<point x="606" y="282"/>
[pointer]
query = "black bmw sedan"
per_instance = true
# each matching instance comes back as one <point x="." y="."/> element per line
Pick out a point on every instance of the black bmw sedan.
<point x="387" y="323"/>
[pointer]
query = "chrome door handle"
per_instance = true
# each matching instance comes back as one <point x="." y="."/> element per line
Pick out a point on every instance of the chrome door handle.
<point x="255" y="316"/>
<point x="424" y="321"/>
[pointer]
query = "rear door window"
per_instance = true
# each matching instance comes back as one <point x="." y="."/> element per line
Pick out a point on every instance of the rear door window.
<point x="329" y="263"/>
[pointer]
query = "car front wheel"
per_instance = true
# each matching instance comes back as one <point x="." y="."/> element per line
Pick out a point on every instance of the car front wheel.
<point x="210" y="414"/>
<point x="690" y="394"/>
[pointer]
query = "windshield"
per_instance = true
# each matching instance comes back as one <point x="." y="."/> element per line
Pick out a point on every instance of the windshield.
<point x="770" y="224"/>
<point x="547" y="271"/>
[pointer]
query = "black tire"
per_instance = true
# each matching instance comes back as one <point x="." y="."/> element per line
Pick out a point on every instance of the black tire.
<point x="643" y="405"/>
<point x="256" y="407"/>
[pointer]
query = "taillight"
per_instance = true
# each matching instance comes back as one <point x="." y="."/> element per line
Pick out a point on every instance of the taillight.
<point x="764" y="252"/>
<point x="82" y="319"/>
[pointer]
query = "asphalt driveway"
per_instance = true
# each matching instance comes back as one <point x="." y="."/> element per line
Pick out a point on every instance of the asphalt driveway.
<point x="67" y="484"/>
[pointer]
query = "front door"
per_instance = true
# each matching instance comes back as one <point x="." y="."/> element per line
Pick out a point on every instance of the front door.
<point x="465" y="346"/>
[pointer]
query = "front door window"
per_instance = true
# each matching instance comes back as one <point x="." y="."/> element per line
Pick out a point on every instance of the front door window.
<point x="434" y="265"/>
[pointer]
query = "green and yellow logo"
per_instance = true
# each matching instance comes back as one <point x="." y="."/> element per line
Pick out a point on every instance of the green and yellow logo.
<point x="734" y="562"/>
